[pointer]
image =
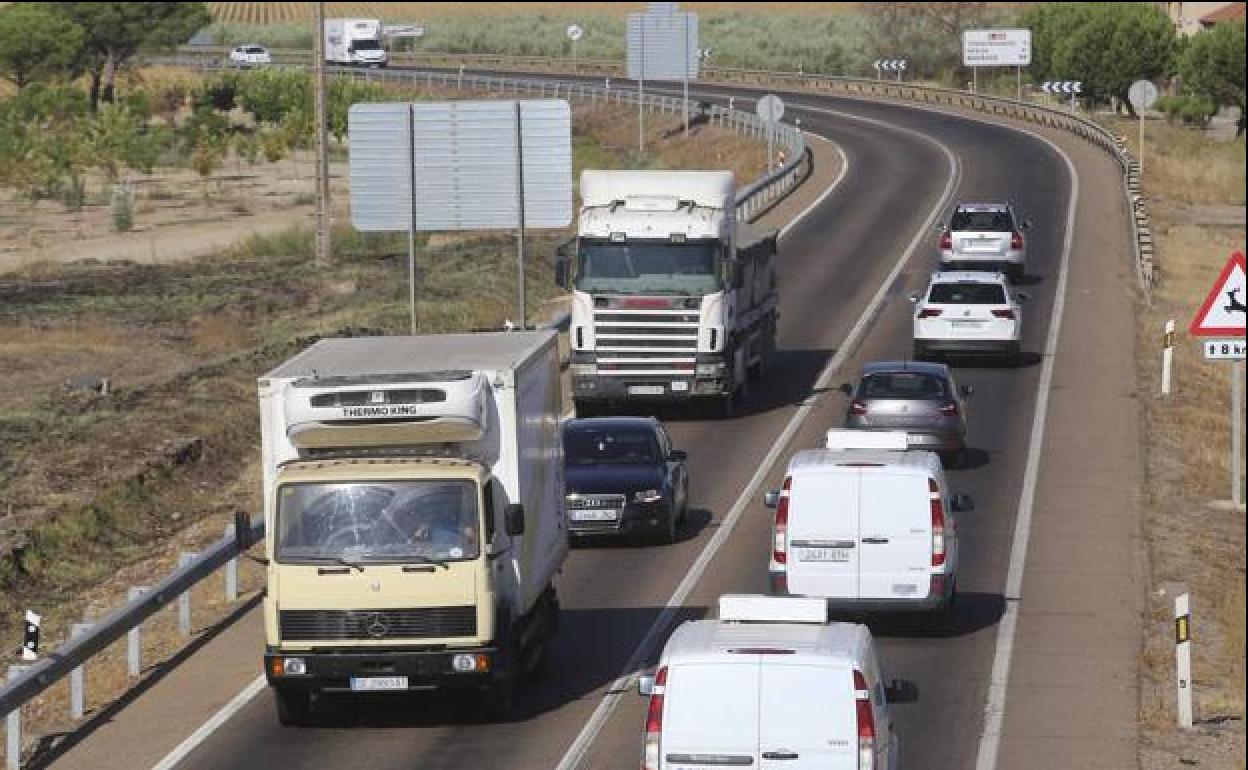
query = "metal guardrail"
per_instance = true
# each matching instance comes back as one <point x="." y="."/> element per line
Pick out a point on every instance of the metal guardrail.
<point x="28" y="681"/>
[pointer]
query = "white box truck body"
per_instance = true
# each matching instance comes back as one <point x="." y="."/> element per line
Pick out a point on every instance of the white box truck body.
<point x="672" y="298"/>
<point x="414" y="511"/>
<point x="354" y="42"/>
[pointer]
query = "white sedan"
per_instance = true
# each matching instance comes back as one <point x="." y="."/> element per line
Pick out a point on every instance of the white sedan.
<point x="248" y="55"/>
<point x="967" y="312"/>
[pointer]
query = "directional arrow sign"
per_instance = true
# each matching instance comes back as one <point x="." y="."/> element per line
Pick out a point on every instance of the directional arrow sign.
<point x="1223" y="311"/>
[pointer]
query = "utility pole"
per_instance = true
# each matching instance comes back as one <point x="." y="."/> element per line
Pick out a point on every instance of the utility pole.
<point x="322" y="145"/>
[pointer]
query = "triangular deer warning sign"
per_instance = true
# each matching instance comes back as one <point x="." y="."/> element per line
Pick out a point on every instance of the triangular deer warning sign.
<point x="1222" y="314"/>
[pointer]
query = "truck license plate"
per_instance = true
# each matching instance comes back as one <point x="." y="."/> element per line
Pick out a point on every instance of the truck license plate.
<point x="591" y="515"/>
<point x="645" y="390"/>
<point x="372" y="683"/>
<point x="823" y="554"/>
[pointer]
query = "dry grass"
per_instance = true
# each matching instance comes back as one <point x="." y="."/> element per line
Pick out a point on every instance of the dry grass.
<point x="1191" y="542"/>
<point x="267" y="13"/>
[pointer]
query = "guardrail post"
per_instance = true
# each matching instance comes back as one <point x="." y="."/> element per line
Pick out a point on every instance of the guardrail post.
<point x="77" y="690"/>
<point x="184" y="601"/>
<point x="13" y="729"/>
<point x="134" y="641"/>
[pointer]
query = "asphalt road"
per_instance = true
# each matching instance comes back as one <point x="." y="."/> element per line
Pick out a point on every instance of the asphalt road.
<point x="832" y="263"/>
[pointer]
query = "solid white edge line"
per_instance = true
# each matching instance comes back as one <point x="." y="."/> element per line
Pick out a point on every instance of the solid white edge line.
<point x="208" y="728"/>
<point x="589" y="733"/>
<point x="998" y="683"/>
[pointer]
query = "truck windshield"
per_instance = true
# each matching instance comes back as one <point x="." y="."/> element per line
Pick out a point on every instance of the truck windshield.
<point x="649" y="267"/>
<point x="365" y="45"/>
<point x="383" y="521"/>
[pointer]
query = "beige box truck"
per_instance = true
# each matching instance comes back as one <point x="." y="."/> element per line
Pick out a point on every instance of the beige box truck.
<point x="414" y="511"/>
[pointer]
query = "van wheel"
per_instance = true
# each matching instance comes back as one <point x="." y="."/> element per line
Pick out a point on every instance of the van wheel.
<point x="294" y="707"/>
<point x="947" y="615"/>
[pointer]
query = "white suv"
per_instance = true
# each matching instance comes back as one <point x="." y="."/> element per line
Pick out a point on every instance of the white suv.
<point x="246" y="55"/>
<point x="985" y="236"/>
<point x="967" y="313"/>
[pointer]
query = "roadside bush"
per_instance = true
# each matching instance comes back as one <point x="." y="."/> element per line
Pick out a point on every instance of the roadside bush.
<point x="122" y="207"/>
<point x="1187" y="109"/>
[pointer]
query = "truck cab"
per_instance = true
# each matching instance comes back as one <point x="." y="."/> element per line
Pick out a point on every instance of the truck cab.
<point x="672" y="298"/>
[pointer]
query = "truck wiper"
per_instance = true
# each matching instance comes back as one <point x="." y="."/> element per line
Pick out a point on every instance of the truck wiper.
<point x="335" y="560"/>
<point x="427" y="560"/>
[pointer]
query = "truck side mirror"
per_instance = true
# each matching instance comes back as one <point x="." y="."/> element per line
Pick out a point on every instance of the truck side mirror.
<point x="563" y="263"/>
<point x="967" y="391"/>
<point x="678" y="456"/>
<point x="1027" y="223"/>
<point x="962" y="503"/>
<point x="771" y="499"/>
<point x="513" y="519"/>
<point x="561" y="272"/>
<point x="901" y="691"/>
<point x="645" y="685"/>
<point x="732" y="273"/>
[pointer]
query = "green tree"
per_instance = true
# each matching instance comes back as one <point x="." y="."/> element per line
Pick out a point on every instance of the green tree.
<point x="1212" y="65"/>
<point x="36" y="44"/>
<point x="116" y="32"/>
<point x="1106" y="46"/>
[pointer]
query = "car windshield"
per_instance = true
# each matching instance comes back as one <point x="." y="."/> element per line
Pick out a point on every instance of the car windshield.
<point x="366" y="45"/>
<point x="648" y="266"/>
<point x="981" y="222"/>
<point x="256" y="49"/>
<point x="967" y="294"/>
<point x="608" y="446"/>
<point x="907" y="385"/>
<point x="390" y="521"/>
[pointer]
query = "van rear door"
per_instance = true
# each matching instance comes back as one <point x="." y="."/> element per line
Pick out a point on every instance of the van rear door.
<point x="823" y="547"/>
<point x="710" y="715"/>
<point x="807" y="717"/>
<point x="896" y="535"/>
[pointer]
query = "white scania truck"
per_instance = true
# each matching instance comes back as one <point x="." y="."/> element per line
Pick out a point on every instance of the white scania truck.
<point x="354" y="42"/>
<point x="673" y="299"/>
<point x="414" y="511"/>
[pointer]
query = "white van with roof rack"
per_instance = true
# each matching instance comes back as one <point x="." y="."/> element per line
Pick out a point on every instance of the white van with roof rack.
<point x="867" y="526"/>
<point x="770" y="684"/>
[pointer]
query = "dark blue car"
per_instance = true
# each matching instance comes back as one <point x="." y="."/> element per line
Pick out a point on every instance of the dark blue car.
<point x="623" y="477"/>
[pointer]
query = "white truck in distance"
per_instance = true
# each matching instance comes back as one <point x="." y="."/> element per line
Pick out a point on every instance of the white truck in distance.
<point x="414" y="505"/>
<point x="354" y="42"/>
<point x="672" y="298"/>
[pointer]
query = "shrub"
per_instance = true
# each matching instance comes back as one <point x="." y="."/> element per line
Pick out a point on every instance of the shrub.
<point x="122" y="207"/>
<point x="1187" y="109"/>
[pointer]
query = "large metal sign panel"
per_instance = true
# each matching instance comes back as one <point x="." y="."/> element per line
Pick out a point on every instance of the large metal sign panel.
<point x="996" y="47"/>
<point x="663" y="46"/>
<point x="462" y="156"/>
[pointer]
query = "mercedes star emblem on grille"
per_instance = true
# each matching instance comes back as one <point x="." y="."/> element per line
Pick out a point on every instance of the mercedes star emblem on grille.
<point x="377" y="627"/>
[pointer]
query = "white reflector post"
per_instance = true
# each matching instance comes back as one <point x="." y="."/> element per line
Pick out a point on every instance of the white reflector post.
<point x="756" y="608"/>
<point x="895" y="440"/>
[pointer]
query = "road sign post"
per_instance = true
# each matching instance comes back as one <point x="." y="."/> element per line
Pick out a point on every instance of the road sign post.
<point x="574" y="33"/>
<point x="770" y="109"/>
<point x="1142" y="95"/>
<point x="1222" y="315"/>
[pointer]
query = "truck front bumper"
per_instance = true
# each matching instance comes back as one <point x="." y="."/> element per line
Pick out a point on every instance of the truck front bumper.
<point x="424" y="670"/>
<point x="600" y="388"/>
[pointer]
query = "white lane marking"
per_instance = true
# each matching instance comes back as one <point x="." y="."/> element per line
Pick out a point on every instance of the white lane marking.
<point x="824" y="195"/>
<point x="207" y="728"/>
<point x="589" y="733"/>
<point x="998" y="683"/>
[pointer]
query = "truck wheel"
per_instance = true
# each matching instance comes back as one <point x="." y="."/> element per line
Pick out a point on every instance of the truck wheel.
<point x="294" y="707"/>
<point x="726" y="406"/>
<point x="500" y="698"/>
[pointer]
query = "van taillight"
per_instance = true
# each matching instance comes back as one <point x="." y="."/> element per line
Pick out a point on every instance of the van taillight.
<point x="1005" y="313"/>
<point x="780" y="537"/>
<point x="866" y="723"/>
<point x="654" y="722"/>
<point x="950" y="409"/>
<point x="938" y="524"/>
<point x="946" y="241"/>
<point x="857" y="408"/>
<point x="1016" y="240"/>
<point x="929" y="312"/>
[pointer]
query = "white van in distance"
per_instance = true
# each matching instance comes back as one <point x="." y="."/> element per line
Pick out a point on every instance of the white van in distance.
<point x="770" y="684"/>
<point x="866" y="525"/>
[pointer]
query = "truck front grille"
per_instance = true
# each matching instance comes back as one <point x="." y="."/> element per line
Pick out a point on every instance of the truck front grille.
<point x="640" y="342"/>
<point x="408" y="623"/>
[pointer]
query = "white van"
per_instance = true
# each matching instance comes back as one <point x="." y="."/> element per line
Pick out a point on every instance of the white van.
<point x="771" y="684"/>
<point x="866" y="525"/>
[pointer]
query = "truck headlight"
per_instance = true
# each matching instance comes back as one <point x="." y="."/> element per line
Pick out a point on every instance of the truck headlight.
<point x="647" y="496"/>
<point x="710" y="370"/>
<point x="294" y="666"/>
<point x="466" y="663"/>
<point x="583" y="370"/>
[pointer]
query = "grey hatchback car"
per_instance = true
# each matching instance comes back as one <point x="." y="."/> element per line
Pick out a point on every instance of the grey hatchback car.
<point x="920" y="398"/>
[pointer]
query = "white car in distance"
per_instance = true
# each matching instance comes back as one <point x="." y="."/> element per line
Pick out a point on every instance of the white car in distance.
<point x="250" y="55"/>
<point x="968" y="313"/>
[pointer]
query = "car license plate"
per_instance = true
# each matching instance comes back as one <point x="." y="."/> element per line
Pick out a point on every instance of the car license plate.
<point x="645" y="390"/>
<point x="967" y="324"/>
<point x="372" y="683"/>
<point x="680" y="387"/>
<point x="592" y="515"/>
<point x="823" y="554"/>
